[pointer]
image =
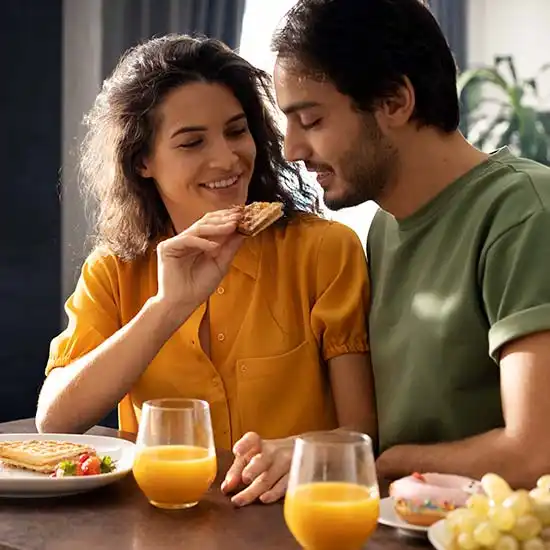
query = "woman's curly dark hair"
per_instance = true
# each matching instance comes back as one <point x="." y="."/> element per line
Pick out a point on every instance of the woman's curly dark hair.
<point x="130" y="215"/>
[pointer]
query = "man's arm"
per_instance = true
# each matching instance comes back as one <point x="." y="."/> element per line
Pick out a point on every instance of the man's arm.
<point x="520" y="452"/>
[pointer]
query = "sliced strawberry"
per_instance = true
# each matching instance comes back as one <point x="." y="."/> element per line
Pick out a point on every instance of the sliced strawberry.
<point x="83" y="457"/>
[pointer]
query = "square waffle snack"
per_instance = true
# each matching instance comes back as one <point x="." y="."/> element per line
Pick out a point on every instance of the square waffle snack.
<point x="41" y="455"/>
<point x="257" y="216"/>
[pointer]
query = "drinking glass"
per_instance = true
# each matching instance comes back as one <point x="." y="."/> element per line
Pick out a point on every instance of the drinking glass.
<point x="332" y="500"/>
<point x="175" y="461"/>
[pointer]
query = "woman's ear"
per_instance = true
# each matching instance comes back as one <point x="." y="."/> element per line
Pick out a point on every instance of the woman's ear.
<point x="143" y="167"/>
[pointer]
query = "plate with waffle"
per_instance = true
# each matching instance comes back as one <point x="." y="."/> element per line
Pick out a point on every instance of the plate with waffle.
<point x="51" y="465"/>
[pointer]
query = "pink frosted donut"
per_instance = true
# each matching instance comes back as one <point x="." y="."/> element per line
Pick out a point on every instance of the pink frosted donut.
<point x="423" y="499"/>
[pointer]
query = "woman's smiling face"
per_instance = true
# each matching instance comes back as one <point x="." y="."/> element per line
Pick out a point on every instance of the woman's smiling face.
<point x="202" y="155"/>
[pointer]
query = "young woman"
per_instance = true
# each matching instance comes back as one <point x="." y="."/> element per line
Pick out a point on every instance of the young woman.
<point x="173" y="302"/>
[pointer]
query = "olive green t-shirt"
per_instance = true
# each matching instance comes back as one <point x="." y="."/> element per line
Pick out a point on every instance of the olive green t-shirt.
<point x="451" y="284"/>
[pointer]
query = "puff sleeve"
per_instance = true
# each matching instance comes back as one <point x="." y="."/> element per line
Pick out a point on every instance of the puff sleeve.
<point x="339" y="314"/>
<point x="92" y="311"/>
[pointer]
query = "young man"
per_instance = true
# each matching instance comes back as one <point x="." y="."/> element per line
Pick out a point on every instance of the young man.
<point x="459" y="254"/>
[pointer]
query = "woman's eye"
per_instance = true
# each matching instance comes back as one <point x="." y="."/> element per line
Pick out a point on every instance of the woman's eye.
<point x="238" y="131"/>
<point x="191" y="144"/>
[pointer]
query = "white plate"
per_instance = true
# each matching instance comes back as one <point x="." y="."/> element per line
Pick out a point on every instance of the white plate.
<point x="438" y="536"/>
<point x="391" y="519"/>
<point x="18" y="483"/>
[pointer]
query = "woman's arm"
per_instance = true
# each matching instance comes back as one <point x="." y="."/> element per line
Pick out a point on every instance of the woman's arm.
<point x="352" y="384"/>
<point x="75" y="397"/>
<point x="190" y="266"/>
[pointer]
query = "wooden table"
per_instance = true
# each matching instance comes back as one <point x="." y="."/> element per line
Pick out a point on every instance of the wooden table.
<point x="118" y="517"/>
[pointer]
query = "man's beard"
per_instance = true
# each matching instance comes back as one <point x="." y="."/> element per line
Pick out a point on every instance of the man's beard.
<point x="366" y="168"/>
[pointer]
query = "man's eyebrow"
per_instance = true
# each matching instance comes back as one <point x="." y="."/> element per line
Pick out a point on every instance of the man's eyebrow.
<point x="299" y="106"/>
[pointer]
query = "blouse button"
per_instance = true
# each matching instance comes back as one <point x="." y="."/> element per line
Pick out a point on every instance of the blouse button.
<point x="220" y="290"/>
<point x="221" y="337"/>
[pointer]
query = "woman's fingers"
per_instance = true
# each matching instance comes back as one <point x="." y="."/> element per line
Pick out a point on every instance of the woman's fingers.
<point x="276" y="492"/>
<point x="260" y="463"/>
<point x="249" y="445"/>
<point x="186" y="243"/>
<point x="218" y="217"/>
<point x="265" y="482"/>
<point x="233" y="477"/>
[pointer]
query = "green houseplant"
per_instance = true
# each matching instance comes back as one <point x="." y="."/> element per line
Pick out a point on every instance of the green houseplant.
<point x="500" y="109"/>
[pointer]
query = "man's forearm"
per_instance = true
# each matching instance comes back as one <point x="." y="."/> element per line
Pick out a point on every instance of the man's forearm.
<point x="521" y="464"/>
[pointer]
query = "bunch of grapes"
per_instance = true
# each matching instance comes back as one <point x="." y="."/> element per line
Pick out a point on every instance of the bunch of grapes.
<point x="502" y="519"/>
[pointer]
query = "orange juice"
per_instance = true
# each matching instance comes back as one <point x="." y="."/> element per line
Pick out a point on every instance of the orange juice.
<point x="328" y="515"/>
<point x="174" y="476"/>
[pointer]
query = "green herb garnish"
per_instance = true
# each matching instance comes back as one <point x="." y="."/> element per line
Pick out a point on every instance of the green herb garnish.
<point x="107" y="465"/>
<point x="68" y="467"/>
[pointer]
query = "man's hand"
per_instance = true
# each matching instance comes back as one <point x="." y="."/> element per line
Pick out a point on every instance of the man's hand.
<point x="261" y="465"/>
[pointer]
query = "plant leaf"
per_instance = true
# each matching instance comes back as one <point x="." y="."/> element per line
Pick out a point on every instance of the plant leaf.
<point x="483" y="75"/>
<point x="506" y="136"/>
<point x="488" y="132"/>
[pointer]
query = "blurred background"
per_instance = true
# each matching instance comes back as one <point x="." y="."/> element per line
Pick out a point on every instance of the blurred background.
<point x="56" y="54"/>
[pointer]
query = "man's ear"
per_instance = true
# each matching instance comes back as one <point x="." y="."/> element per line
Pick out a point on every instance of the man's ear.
<point x="397" y="109"/>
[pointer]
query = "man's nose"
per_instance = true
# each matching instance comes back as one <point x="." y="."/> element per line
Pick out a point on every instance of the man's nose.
<point x="295" y="146"/>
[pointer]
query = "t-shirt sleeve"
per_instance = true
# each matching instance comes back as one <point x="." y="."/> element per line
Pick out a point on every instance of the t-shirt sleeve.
<point x="92" y="311"/>
<point x="516" y="282"/>
<point x="339" y="313"/>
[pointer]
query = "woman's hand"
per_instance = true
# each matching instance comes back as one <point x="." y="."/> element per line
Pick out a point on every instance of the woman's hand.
<point x="192" y="264"/>
<point x="261" y="465"/>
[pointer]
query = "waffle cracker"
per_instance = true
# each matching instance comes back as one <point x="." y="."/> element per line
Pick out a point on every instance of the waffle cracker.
<point x="257" y="216"/>
<point x="40" y="455"/>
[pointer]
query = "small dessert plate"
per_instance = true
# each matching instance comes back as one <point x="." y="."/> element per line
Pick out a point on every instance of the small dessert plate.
<point x="391" y="519"/>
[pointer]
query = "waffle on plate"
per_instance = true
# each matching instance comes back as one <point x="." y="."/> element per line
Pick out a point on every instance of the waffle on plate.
<point x="257" y="216"/>
<point x="41" y="455"/>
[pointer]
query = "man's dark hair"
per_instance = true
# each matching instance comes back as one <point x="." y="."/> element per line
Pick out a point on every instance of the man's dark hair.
<point x="367" y="47"/>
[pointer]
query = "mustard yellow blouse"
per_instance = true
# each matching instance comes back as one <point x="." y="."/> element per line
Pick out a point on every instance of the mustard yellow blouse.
<point x="294" y="297"/>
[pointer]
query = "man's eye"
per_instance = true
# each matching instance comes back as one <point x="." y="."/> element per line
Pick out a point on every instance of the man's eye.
<point x="309" y="125"/>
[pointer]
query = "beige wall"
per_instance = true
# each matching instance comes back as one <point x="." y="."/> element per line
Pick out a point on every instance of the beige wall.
<point x="517" y="27"/>
<point x="81" y="81"/>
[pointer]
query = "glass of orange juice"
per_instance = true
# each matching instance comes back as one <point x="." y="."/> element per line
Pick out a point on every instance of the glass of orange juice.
<point x="175" y="461"/>
<point x="332" y="500"/>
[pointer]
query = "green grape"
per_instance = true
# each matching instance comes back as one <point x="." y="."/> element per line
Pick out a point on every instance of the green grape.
<point x="520" y="502"/>
<point x="539" y="494"/>
<point x="533" y="544"/>
<point x="461" y="520"/>
<point x="502" y="518"/>
<point x="527" y="527"/>
<point x="506" y="542"/>
<point x="541" y="505"/>
<point x="479" y="504"/>
<point x="466" y="542"/>
<point x="451" y="523"/>
<point x="467" y="524"/>
<point x="495" y="487"/>
<point x="544" y="483"/>
<point x="485" y="534"/>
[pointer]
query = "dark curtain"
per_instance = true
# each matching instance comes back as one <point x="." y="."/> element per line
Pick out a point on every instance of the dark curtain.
<point x="216" y="18"/>
<point x="30" y="214"/>
<point x="127" y="22"/>
<point x="451" y="15"/>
